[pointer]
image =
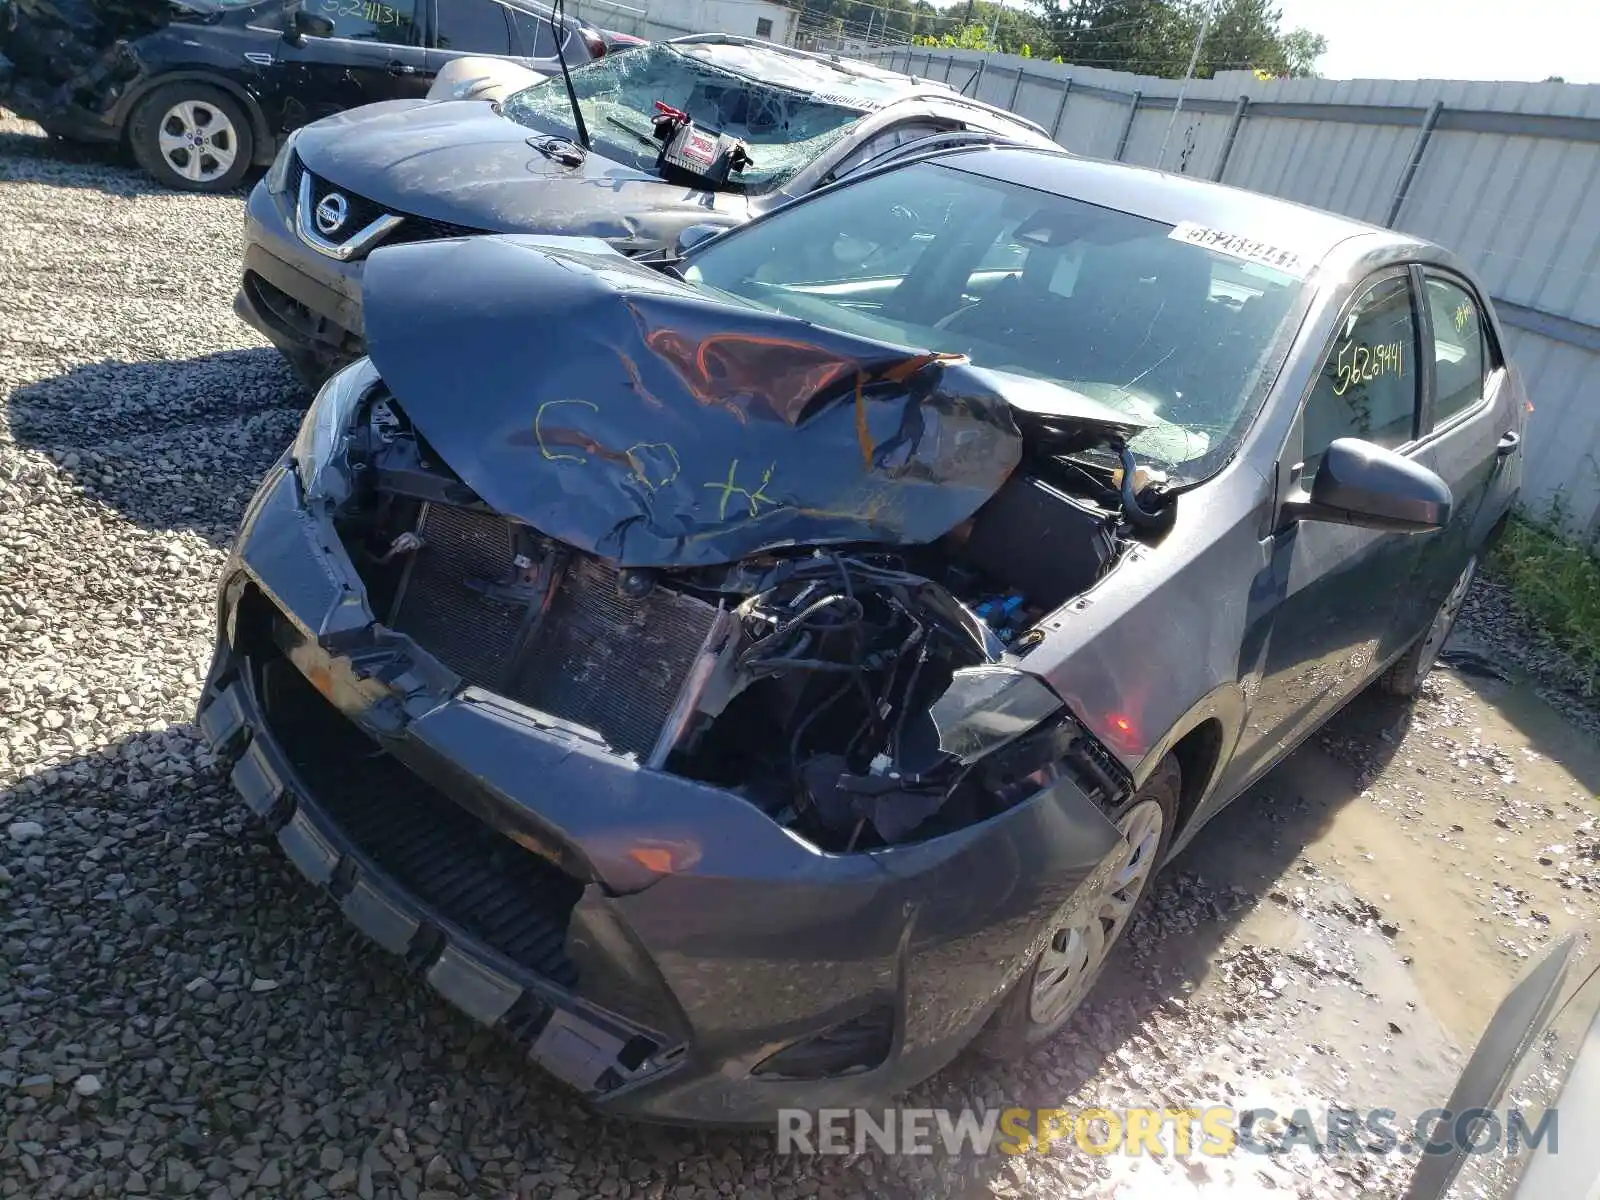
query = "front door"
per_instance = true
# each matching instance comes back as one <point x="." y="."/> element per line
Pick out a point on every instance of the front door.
<point x="374" y="52"/>
<point x="1324" y="606"/>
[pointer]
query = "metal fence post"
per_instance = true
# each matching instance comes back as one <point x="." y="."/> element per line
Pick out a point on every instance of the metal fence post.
<point x="1061" y="109"/>
<point x="949" y="65"/>
<point x="1234" y="122"/>
<point x="1016" y="89"/>
<point x="1127" y="127"/>
<point x="1406" y="176"/>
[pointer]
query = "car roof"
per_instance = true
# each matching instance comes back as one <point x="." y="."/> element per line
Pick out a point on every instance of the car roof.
<point x="1169" y="198"/>
<point x="840" y="80"/>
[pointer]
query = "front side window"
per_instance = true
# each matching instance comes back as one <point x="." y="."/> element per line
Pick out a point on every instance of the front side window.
<point x="369" y="21"/>
<point x="784" y="126"/>
<point x="473" y="26"/>
<point x="1459" y="349"/>
<point x="1106" y="303"/>
<point x="1367" y="388"/>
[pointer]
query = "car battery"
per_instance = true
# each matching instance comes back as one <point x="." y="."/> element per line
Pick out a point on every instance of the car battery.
<point x="701" y="152"/>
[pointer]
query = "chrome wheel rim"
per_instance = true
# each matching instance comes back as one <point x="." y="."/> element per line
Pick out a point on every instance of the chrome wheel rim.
<point x="1445" y="619"/>
<point x="1069" y="963"/>
<point x="198" y="141"/>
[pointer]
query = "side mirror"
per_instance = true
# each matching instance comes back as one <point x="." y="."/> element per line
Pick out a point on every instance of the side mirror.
<point x="303" y="24"/>
<point x="1373" y="488"/>
<point x="692" y="236"/>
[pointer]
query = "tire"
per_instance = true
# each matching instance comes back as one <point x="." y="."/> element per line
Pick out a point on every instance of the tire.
<point x="192" y="137"/>
<point x="1019" y="1023"/>
<point x="1407" y="676"/>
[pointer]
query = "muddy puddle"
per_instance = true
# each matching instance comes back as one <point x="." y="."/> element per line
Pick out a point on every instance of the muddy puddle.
<point x="1393" y="878"/>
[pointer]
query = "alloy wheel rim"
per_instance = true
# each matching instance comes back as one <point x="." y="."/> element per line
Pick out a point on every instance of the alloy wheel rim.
<point x="198" y="141"/>
<point x="1069" y="963"/>
<point x="1445" y="619"/>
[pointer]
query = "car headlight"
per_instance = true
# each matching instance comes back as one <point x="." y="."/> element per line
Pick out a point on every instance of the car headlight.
<point x="986" y="707"/>
<point x="325" y="430"/>
<point x="278" y="173"/>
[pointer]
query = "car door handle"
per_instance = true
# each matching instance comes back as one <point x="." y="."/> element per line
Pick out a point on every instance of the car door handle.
<point x="400" y="68"/>
<point x="1509" y="441"/>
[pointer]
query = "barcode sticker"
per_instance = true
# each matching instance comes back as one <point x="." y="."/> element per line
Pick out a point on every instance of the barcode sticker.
<point x="1238" y="246"/>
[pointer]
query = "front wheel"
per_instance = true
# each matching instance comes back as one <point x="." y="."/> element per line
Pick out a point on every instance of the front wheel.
<point x="1406" y="677"/>
<point x="1062" y="976"/>
<point x="193" y="137"/>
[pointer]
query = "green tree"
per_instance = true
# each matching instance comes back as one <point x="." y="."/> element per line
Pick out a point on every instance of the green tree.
<point x="1301" y="50"/>
<point x="1156" y="37"/>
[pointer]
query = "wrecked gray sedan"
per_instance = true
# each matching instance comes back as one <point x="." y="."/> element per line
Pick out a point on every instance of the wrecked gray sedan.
<point x="748" y="680"/>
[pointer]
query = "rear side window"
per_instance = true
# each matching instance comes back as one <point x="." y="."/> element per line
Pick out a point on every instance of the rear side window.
<point x="538" y="35"/>
<point x="884" y="141"/>
<point x="1460" y="358"/>
<point x="369" y="21"/>
<point x="1368" y="386"/>
<point x="473" y="26"/>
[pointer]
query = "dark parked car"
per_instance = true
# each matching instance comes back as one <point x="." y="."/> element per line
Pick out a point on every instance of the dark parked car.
<point x="407" y="172"/>
<point x="749" y="680"/>
<point x="201" y="89"/>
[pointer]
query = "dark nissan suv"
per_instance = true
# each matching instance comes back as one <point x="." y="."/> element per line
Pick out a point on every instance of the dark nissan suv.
<point x="199" y="90"/>
<point x="702" y="131"/>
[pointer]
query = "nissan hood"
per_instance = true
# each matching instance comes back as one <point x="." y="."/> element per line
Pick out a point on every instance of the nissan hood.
<point x="639" y="418"/>
<point x="460" y="162"/>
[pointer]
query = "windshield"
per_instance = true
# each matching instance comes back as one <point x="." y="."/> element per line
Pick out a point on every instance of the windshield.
<point x="1111" y="305"/>
<point x="785" y="127"/>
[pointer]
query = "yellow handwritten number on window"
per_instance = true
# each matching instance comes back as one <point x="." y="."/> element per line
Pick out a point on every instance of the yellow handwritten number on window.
<point x="1358" y="362"/>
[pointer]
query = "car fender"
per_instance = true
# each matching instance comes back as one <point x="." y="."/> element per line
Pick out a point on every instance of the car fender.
<point x="1224" y="705"/>
<point x="265" y="140"/>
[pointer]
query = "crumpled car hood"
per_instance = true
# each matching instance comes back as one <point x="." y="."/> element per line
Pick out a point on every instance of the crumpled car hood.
<point x="636" y="417"/>
<point x="459" y="161"/>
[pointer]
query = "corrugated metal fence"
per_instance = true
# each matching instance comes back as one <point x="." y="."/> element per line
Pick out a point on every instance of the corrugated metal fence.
<point x="1505" y="174"/>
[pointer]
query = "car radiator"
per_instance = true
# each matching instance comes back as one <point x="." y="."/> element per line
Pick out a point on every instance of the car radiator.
<point x="599" y="659"/>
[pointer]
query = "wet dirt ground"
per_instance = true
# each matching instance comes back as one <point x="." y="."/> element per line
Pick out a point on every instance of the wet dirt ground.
<point x="181" y="1015"/>
<point x="1382" y="890"/>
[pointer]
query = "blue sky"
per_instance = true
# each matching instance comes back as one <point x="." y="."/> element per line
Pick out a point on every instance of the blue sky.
<point x="1453" y="39"/>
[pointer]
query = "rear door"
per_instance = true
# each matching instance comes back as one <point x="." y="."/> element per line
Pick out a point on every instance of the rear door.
<point x="1326" y="605"/>
<point x="1472" y="428"/>
<point x="463" y="27"/>
<point x="535" y="32"/>
<point x="374" y="52"/>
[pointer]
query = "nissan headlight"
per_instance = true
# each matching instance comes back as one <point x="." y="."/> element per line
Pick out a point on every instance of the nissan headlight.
<point x="277" y="178"/>
<point x="319" y="446"/>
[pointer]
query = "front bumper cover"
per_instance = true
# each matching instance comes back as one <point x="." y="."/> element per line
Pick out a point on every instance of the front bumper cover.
<point x="301" y="301"/>
<point x="752" y="941"/>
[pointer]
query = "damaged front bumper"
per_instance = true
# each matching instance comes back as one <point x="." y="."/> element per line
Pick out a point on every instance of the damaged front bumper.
<point x="660" y="944"/>
<point x="306" y="304"/>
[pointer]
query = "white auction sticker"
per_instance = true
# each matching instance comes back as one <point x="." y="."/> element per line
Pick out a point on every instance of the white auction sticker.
<point x="1238" y="246"/>
<point x="845" y="100"/>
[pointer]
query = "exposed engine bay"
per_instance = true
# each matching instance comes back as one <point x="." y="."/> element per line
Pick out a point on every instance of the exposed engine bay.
<point x="861" y="694"/>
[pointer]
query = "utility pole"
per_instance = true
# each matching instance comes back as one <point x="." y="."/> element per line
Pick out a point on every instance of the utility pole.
<point x="1183" y="88"/>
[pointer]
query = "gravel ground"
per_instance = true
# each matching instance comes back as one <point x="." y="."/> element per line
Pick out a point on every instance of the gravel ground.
<point x="180" y="1015"/>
